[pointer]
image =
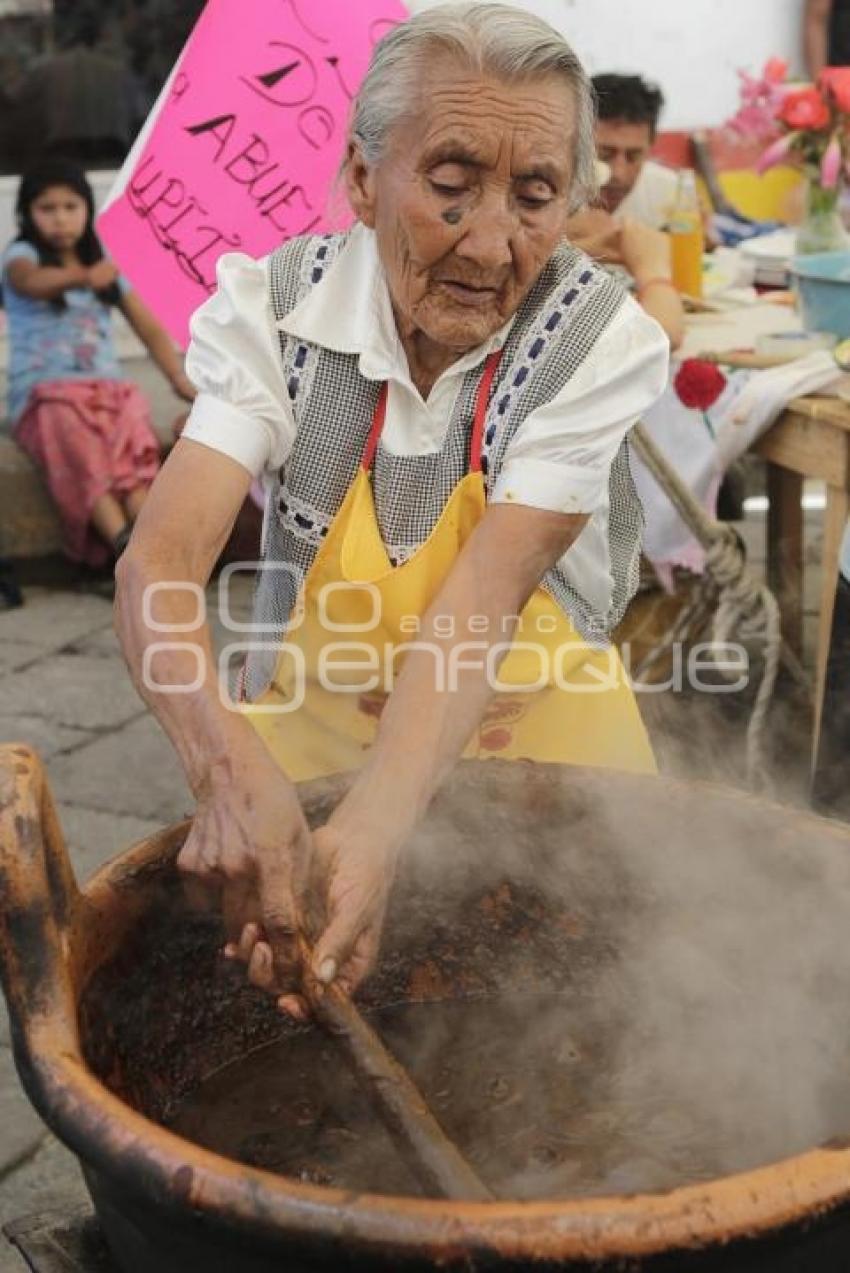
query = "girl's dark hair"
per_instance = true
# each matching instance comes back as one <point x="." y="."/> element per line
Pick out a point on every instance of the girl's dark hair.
<point x="61" y="172"/>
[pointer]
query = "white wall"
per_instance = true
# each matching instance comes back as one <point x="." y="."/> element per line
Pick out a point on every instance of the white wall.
<point x="692" y="48"/>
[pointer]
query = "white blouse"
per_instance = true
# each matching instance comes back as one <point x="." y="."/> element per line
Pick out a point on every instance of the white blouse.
<point x="557" y="460"/>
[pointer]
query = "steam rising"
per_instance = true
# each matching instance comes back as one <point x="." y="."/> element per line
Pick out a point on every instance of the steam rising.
<point x="618" y="985"/>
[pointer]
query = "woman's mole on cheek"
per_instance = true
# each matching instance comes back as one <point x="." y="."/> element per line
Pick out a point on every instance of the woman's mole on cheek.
<point x="453" y="216"/>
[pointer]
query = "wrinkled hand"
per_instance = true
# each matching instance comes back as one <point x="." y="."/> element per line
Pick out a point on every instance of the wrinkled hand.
<point x="249" y="850"/>
<point x="358" y="869"/>
<point x="102" y="275"/>
<point x="352" y="875"/>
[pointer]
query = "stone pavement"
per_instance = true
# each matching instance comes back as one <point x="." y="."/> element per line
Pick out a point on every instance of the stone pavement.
<point x="64" y="690"/>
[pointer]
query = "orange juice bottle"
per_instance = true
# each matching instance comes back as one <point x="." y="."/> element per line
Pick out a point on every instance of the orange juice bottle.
<point x="687" y="240"/>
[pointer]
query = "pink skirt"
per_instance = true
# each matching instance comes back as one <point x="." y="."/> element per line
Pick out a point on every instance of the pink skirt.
<point x="89" y="438"/>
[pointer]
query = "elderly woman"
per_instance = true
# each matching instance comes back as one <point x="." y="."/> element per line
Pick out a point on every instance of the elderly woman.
<point x="437" y="402"/>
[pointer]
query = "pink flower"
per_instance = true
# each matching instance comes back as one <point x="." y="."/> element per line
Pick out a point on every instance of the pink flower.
<point x="776" y="152"/>
<point x="775" y="70"/>
<point x="830" y="165"/>
<point x="761" y="100"/>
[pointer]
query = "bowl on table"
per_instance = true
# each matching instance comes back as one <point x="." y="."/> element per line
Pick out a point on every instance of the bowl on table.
<point x="822" y="281"/>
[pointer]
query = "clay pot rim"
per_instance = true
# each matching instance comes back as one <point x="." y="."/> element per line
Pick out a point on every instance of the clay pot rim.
<point x="117" y="1140"/>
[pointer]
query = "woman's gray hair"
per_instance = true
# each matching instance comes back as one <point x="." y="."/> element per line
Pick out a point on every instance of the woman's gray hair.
<point x="494" y="39"/>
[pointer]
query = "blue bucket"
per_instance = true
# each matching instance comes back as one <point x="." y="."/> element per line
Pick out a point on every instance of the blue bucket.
<point x="823" y="282"/>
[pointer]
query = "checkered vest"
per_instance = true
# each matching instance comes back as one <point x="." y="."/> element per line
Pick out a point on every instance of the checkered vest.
<point x="556" y="327"/>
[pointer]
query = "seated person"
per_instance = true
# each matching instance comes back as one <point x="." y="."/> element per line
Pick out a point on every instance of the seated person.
<point x="627" y="121"/>
<point x="624" y="229"/>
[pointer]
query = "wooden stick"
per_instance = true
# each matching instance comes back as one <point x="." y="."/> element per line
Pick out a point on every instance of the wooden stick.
<point x="704" y="528"/>
<point x="743" y="358"/>
<point x="436" y="1160"/>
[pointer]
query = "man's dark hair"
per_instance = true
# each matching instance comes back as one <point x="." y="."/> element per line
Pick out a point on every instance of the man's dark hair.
<point x="628" y="97"/>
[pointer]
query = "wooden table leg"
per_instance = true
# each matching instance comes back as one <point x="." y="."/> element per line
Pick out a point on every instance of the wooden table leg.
<point x="785" y="550"/>
<point x="834" y="523"/>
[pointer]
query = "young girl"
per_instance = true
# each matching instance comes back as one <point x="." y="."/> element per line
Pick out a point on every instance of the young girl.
<point x="84" y="426"/>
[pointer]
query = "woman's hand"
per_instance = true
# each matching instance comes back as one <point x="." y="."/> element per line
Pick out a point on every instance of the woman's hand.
<point x="249" y="848"/>
<point x="356" y="867"/>
<point x="352" y="870"/>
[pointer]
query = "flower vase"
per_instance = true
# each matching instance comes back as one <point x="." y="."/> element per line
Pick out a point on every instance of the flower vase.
<point x="821" y="229"/>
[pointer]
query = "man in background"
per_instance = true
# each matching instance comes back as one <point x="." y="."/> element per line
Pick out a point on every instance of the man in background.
<point x="826" y="34"/>
<point x="624" y="228"/>
<point x="628" y="111"/>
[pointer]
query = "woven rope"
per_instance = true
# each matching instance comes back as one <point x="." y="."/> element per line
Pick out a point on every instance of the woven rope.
<point x="745" y="608"/>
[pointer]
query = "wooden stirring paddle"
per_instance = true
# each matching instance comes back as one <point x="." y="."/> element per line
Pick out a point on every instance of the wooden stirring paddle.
<point x="437" y="1162"/>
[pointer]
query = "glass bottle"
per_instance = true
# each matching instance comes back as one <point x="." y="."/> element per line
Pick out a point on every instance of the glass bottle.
<point x="687" y="238"/>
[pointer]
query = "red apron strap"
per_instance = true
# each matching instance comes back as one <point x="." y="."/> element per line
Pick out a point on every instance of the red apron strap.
<point x="377" y="428"/>
<point x="481" y="399"/>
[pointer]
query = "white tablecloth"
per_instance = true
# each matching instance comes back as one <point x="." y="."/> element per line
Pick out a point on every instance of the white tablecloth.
<point x="681" y="433"/>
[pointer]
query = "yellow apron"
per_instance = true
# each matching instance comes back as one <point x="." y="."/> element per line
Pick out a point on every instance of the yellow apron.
<point x="557" y="700"/>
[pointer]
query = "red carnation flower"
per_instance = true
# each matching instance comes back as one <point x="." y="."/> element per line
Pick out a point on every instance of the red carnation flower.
<point x="699" y="384"/>
<point x="804" y="108"/>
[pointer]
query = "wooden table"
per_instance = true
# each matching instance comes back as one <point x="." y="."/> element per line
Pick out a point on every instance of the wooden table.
<point x="810" y="439"/>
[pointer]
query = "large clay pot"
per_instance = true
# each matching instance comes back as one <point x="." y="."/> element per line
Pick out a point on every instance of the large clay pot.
<point x="118" y="1005"/>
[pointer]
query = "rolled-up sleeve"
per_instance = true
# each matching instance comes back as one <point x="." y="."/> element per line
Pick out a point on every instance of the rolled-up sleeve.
<point x="560" y="457"/>
<point x="242" y="407"/>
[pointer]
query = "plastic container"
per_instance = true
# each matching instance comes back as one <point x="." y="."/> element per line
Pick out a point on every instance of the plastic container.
<point x="823" y="283"/>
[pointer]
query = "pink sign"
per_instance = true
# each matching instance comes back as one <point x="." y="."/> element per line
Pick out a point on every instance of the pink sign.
<point x="241" y="151"/>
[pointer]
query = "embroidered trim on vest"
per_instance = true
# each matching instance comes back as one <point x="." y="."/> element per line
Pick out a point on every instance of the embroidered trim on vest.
<point x="303" y="520"/>
<point x="300" y="359"/>
<point x="400" y="553"/>
<point x="575" y="293"/>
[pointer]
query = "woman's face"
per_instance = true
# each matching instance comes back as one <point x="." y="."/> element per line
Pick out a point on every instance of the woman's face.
<point x="469" y="201"/>
<point x="60" y="215"/>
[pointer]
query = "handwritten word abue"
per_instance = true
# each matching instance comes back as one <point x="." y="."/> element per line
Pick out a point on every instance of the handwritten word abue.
<point x="246" y="160"/>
